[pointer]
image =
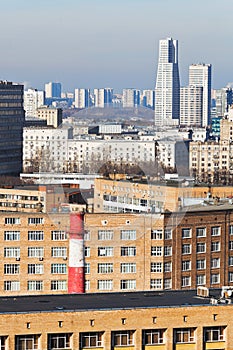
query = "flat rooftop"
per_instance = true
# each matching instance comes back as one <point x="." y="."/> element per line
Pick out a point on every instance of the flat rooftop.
<point x="104" y="301"/>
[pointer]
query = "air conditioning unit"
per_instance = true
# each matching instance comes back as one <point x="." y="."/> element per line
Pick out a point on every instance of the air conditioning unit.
<point x="17" y="259"/>
<point x="202" y="291"/>
<point x="41" y="259"/>
<point x="65" y="258"/>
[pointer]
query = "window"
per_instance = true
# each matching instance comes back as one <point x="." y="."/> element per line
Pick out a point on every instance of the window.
<point x="87" y="252"/>
<point x="11" y="269"/>
<point x="35" y="221"/>
<point x="12" y="221"/>
<point x="201" y="264"/>
<point x="128" y="234"/>
<point x="230" y="277"/>
<point x="87" y="285"/>
<point x="123" y="338"/>
<point x="27" y="342"/>
<point x="11" y="252"/>
<point x="59" y="341"/>
<point x="168" y="267"/>
<point x="230" y="245"/>
<point x="201" y="232"/>
<point x="186" y="265"/>
<point x="156" y="267"/>
<point x="87" y="268"/>
<point x="201" y="280"/>
<point x="58" y="236"/>
<point x="215" y="231"/>
<point x="201" y="247"/>
<point x="87" y="236"/>
<point x="186" y="281"/>
<point x="167" y="283"/>
<point x="153" y="336"/>
<point x="128" y="268"/>
<point x="156" y="251"/>
<point x="58" y="268"/>
<point x="214" y="333"/>
<point x="105" y="251"/>
<point x="215" y="246"/>
<point x="156" y="283"/>
<point x="35" y="235"/>
<point x="186" y="248"/>
<point x="128" y="284"/>
<point x="105" y="268"/>
<point x="231" y="229"/>
<point x="11" y="235"/>
<point x="167" y="251"/>
<point x="186" y="233"/>
<point x="156" y="234"/>
<point x="35" y="269"/>
<point x="230" y="260"/>
<point x="91" y="340"/>
<point x="59" y="252"/>
<point x="215" y="278"/>
<point x="167" y="234"/>
<point x="184" y="335"/>
<point x="128" y="251"/>
<point x="105" y="284"/>
<point x="105" y="235"/>
<point x="59" y="285"/>
<point x="35" y="285"/>
<point x="35" y="252"/>
<point x="11" y="286"/>
<point x="215" y="263"/>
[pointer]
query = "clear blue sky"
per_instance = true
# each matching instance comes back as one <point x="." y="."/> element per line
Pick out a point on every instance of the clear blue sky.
<point x="107" y="43"/>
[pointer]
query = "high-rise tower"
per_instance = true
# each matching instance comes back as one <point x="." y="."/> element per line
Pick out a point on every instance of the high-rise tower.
<point x="200" y="76"/>
<point x="167" y="90"/>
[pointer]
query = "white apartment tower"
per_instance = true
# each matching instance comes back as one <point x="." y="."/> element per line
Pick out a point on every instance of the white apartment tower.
<point x="82" y="98"/>
<point x="167" y="90"/>
<point x="131" y="98"/>
<point x="103" y="97"/>
<point x="33" y="99"/>
<point x="200" y="75"/>
<point x="191" y="104"/>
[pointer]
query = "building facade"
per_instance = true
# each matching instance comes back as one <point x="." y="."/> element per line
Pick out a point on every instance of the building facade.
<point x="82" y="98"/>
<point x="191" y="105"/>
<point x="167" y="90"/>
<point x="53" y="90"/>
<point x="52" y="115"/>
<point x="33" y="99"/>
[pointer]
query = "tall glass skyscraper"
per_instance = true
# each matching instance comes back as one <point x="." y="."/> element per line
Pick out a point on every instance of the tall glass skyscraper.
<point x="167" y="89"/>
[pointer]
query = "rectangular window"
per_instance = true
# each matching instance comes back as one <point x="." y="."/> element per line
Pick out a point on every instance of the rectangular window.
<point x="168" y="267"/>
<point x="59" y="252"/>
<point x="87" y="252"/>
<point x="35" y="252"/>
<point x="184" y="335"/>
<point x="157" y="234"/>
<point x="167" y="251"/>
<point x="156" y="283"/>
<point x="59" y="285"/>
<point x="11" y="286"/>
<point x="91" y="340"/>
<point x="11" y="269"/>
<point x="11" y="252"/>
<point x="230" y="277"/>
<point x="105" y="268"/>
<point x="186" y="281"/>
<point x="128" y="234"/>
<point x="201" y="280"/>
<point x="29" y="341"/>
<point x="87" y="268"/>
<point x="59" y="268"/>
<point x="156" y="251"/>
<point x="201" y="232"/>
<point x="215" y="263"/>
<point x="212" y="334"/>
<point x="123" y="338"/>
<point x="215" y="278"/>
<point x="156" y="267"/>
<point x="168" y="234"/>
<point x="230" y="260"/>
<point x="186" y="248"/>
<point x="231" y="229"/>
<point x="128" y="268"/>
<point x="105" y="251"/>
<point x="201" y="247"/>
<point x="59" y="341"/>
<point x="128" y="251"/>
<point x="105" y="235"/>
<point x="186" y="265"/>
<point x="215" y="231"/>
<point x="11" y="235"/>
<point x="105" y="284"/>
<point x="230" y="245"/>
<point x="35" y="269"/>
<point x="201" y="264"/>
<point x="35" y="285"/>
<point x="35" y="221"/>
<point x="12" y="221"/>
<point x="153" y="336"/>
<point x="58" y="236"/>
<point x="186" y="233"/>
<point x="167" y="283"/>
<point x="87" y="236"/>
<point x="35" y="235"/>
<point x="128" y="284"/>
<point x="87" y="285"/>
<point x="215" y="246"/>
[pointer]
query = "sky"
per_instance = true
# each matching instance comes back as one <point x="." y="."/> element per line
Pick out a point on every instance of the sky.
<point x="107" y="43"/>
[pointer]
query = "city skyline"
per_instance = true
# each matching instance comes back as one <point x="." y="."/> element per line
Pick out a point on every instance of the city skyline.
<point x="81" y="44"/>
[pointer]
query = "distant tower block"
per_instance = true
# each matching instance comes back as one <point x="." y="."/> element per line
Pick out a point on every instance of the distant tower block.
<point x="76" y="281"/>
